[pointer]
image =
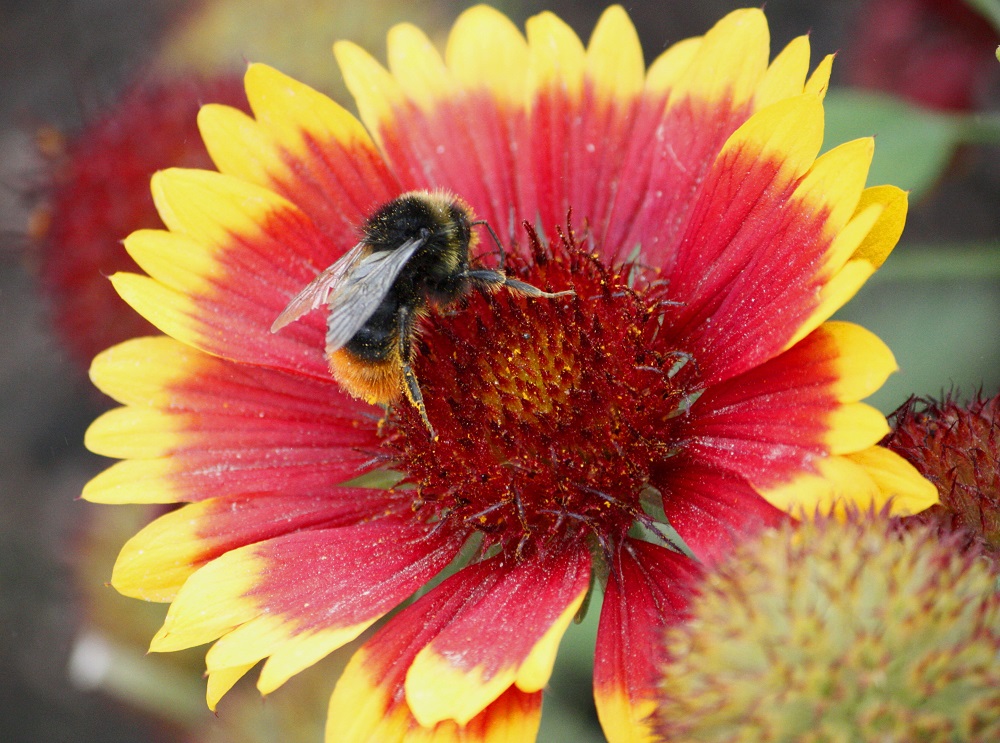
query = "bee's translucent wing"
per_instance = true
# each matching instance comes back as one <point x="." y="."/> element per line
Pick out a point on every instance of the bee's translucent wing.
<point x="356" y="298"/>
<point x="315" y="295"/>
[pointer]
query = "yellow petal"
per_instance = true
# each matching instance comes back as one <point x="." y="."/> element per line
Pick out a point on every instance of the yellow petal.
<point x="837" y="484"/>
<point x="303" y="650"/>
<point x="834" y="183"/>
<point x="730" y="61"/>
<point x="819" y="82"/>
<point x="216" y="599"/>
<point x="786" y="75"/>
<point x="211" y="207"/>
<point x="486" y="50"/>
<point x="835" y="294"/>
<point x="788" y="133"/>
<point x="239" y="146"/>
<point x="556" y="55"/>
<point x="614" y="59"/>
<point x="222" y="680"/>
<point x="418" y="68"/>
<point x="855" y="426"/>
<point x="139" y="371"/>
<point x="136" y="433"/>
<point x="436" y="690"/>
<point x="293" y="113"/>
<point x="622" y="720"/>
<point x="899" y="482"/>
<point x="176" y="261"/>
<point x="155" y="563"/>
<point x="134" y="481"/>
<point x="376" y="92"/>
<point x="884" y="235"/>
<point x="672" y="64"/>
<point x="171" y="311"/>
<point x="864" y="361"/>
<point x="847" y="242"/>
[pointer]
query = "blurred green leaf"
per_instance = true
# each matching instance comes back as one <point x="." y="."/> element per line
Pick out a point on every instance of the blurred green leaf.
<point x="913" y="145"/>
<point x="970" y="261"/>
<point x="990" y="10"/>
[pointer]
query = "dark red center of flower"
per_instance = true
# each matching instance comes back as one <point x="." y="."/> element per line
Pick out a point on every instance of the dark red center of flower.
<point x="550" y="413"/>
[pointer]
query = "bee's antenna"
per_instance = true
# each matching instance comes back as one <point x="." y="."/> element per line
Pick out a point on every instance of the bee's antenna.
<point x="493" y="234"/>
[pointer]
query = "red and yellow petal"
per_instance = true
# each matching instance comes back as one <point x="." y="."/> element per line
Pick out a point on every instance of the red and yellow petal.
<point x="485" y="50"/>
<point x="297" y="597"/>
<point x="614" y="64"/>
<point x="794" y="430"/>
<point x="197" y="426"/>
<point x="364" y="708"/>
<point x="234" y="255"/>
<point x="781" y="416"/>
<point x="517" y="613"/>
<point x="642" y="597"/>
<point x="303" y="146"/>
<point x="698" y="93"/>
<point x="857" y="251"/>
<point x="780" y="247"/>
<point x="451" y="123"/>
<point x="556" y="57"/>
<point x="870" y="478"/>
<point x="491" y="627"/>
<point x="643" y="143"/>
<point x="439" y="125"/>
<point x="748" y="256"/>
<point x="579" y="134"/>
<point x="730" y="62"/>
<point x="154" y="563"/>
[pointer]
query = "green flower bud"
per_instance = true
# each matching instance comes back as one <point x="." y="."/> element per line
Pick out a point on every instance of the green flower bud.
<point x="831" y="631"/>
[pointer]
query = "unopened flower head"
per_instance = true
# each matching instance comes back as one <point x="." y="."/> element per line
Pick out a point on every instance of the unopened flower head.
<point x="837" y="631"/>
<point x="693" y="373"/>
<point x="957" y="447"/>
<point x="96" y="191"/>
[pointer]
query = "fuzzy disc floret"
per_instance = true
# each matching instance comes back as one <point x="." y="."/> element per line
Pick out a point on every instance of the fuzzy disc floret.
<point x="836" y="631"/>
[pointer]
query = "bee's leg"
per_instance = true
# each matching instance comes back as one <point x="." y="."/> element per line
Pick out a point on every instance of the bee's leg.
<point x="497" y="279"/>
<point x="406" y="320"/>
<point x="384" y="420"/>
<point x="502" y="256"/>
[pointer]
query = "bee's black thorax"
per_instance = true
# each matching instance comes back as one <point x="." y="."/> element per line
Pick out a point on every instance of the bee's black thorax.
<point x="436" y="271"/>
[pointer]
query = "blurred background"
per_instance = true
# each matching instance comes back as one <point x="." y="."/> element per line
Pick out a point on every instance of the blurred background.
<point x="919" y="74"/>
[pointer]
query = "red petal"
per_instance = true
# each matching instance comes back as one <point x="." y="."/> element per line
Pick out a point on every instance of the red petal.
<point x="492" y="626"/>
<point x="745" y="272"/>
<point x="351" y="573"/>
<point x="712" y="509"/>
<point x="469" y="146"/>
<point x="259" y="430"/>
<point x="646" y="591"/>
<point x="667" y="159"/>
<point x="577" y="149"/>
<point x="155" y="562"/>
<point x="771" y="421"/>
<point x="221" y="428"/>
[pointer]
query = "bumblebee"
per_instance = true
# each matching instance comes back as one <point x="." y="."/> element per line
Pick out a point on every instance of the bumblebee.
<point x="414" y="251"/>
